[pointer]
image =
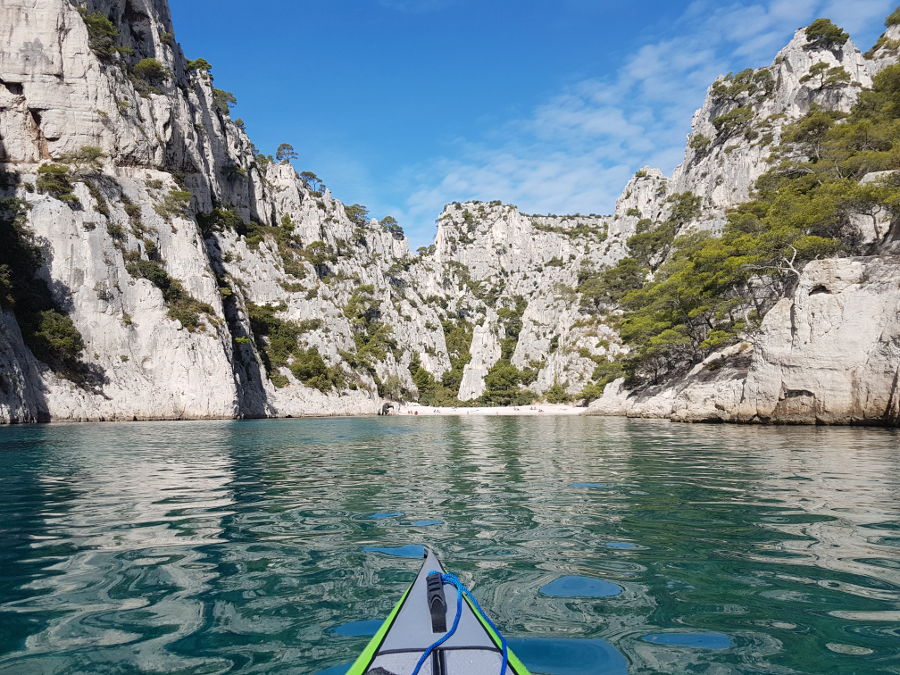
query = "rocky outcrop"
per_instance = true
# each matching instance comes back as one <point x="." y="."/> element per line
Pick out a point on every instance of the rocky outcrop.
<point x="828" y="354"/>
<point x="886" y="50"/>
<point x="735" y="130"/>
<point x="165" y="152"/>
<point x="831" y="353"/>
<point x="491" y="256"/>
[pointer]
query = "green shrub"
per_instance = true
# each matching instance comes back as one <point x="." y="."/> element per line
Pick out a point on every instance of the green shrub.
<point x="358" y="214"/>
<point x="608" y="286"/>
<point x="502" y="386"/>
<point x="234" y="171"/>
<point x="278" y="343"/>
<point x="219" y="219"/>
<point x="893" y="18"/>
<point x="503" y="380"/>
<point x="685" y="207"/>
<point x="883" y="42"/>
<point x="223" y="100"/>
<point x="150" y="70"/>
<point x="186" y="309"/>
<point x="54" y="180"/>
<point x="116" y="232"/>
<point x="289" y="249"/>
<point x="55" y="339"/>
<point x="698" y="142"/>
<point x="604" y="373"/>
<point x="371" y="335"/>
<point x="733" y="120"/>
<point x="285" y="152"/>
<point x="311" y="180"/>
<point x="102" y="33"/>
<point x="175" y="203"/>
<point x="750" y="83"/>
<point x="310" y="368"/>
<point x="181" y="305"/>
<point x="198" y="65"/>
<point x="557" y="394"/>
<point x="153" y="272"/>
<point x="511" y="318"/>
<point x="827" y="77"/>
<point x="390" y="224"/>
<point x="279" y="380"/>
<point x="151" y="248"/>
<point x="20" y="258"/>
<point x="87" y="154"/>
<point x="47" y="331"/>
<point x="319" y="255"/>
<point x="458" y="338"/>
<point x="430" y="391"/>
<point x="133" y="211"/>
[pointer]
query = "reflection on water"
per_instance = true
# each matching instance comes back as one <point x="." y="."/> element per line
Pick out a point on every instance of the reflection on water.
<point x="699" y="640"/>
<point x="275" y="546"/>
<point x="580" y="587"/>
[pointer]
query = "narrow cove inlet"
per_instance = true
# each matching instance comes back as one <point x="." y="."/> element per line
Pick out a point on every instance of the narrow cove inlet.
<point x="251" y="425"/>
<point x="597" y="545"/>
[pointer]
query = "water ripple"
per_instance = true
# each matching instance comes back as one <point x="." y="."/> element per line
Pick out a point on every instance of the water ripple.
<point x="275" y="546"/>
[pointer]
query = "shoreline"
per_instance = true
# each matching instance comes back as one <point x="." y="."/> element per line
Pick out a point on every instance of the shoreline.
<point x="406" y="410"/>
<point x="533" y="410"/>
<point x="416" y="410"/>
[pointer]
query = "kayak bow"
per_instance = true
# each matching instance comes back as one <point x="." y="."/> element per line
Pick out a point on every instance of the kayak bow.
<point x="437" y="628"/>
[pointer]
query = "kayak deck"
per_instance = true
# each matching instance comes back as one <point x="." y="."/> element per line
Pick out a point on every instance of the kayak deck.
<point x="474" y="648"/>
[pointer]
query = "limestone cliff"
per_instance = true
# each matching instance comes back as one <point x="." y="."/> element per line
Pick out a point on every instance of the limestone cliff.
<point x="206" y="280"/>
<point x="828" y="354"/>
<point x="160" y="186"/>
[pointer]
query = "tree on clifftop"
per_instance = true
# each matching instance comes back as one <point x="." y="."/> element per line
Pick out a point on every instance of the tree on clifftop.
<point x="313" y="182"/>
<point x="822" y="34"/>
<point x="285" y="152"/>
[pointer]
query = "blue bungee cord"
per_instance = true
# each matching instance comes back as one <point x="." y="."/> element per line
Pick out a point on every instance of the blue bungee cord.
<point x="460" y="591"/>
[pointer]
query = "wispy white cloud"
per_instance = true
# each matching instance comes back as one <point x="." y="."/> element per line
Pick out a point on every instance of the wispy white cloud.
<point x="574" y="152"/>
<point x="855" y="16"/>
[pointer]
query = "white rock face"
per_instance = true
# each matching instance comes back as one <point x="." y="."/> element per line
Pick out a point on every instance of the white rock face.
<point x="829" y="354"/>
<point x="22" y="396"/>
<point x="56" y="97"/>
<point x="485" y="351"/>
<point x="886" y="50"/>
<point x="723" y="171"/>
<point x="278" y="248"/>
<point x="489" y="256"/>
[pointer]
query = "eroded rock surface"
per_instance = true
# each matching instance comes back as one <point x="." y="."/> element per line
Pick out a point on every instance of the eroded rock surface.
<point x="176" y="188"/>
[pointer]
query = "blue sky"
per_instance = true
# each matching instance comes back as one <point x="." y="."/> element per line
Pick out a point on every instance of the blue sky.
<point x="405" y="105"/>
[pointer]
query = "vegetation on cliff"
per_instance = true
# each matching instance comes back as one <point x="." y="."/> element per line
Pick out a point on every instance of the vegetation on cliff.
<point x="713" y="288"/>
<point x="278" y="341"/>
<point x="47" y="330"/>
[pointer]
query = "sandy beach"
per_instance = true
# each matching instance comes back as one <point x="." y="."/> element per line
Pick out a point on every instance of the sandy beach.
<point x="536" y="409"/>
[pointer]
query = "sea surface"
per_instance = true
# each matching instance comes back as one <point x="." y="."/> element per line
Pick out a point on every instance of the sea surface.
<point x="597" y="545"/>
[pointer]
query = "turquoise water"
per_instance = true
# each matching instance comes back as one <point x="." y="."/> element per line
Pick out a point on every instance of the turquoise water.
<point x="275" y="546"/>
